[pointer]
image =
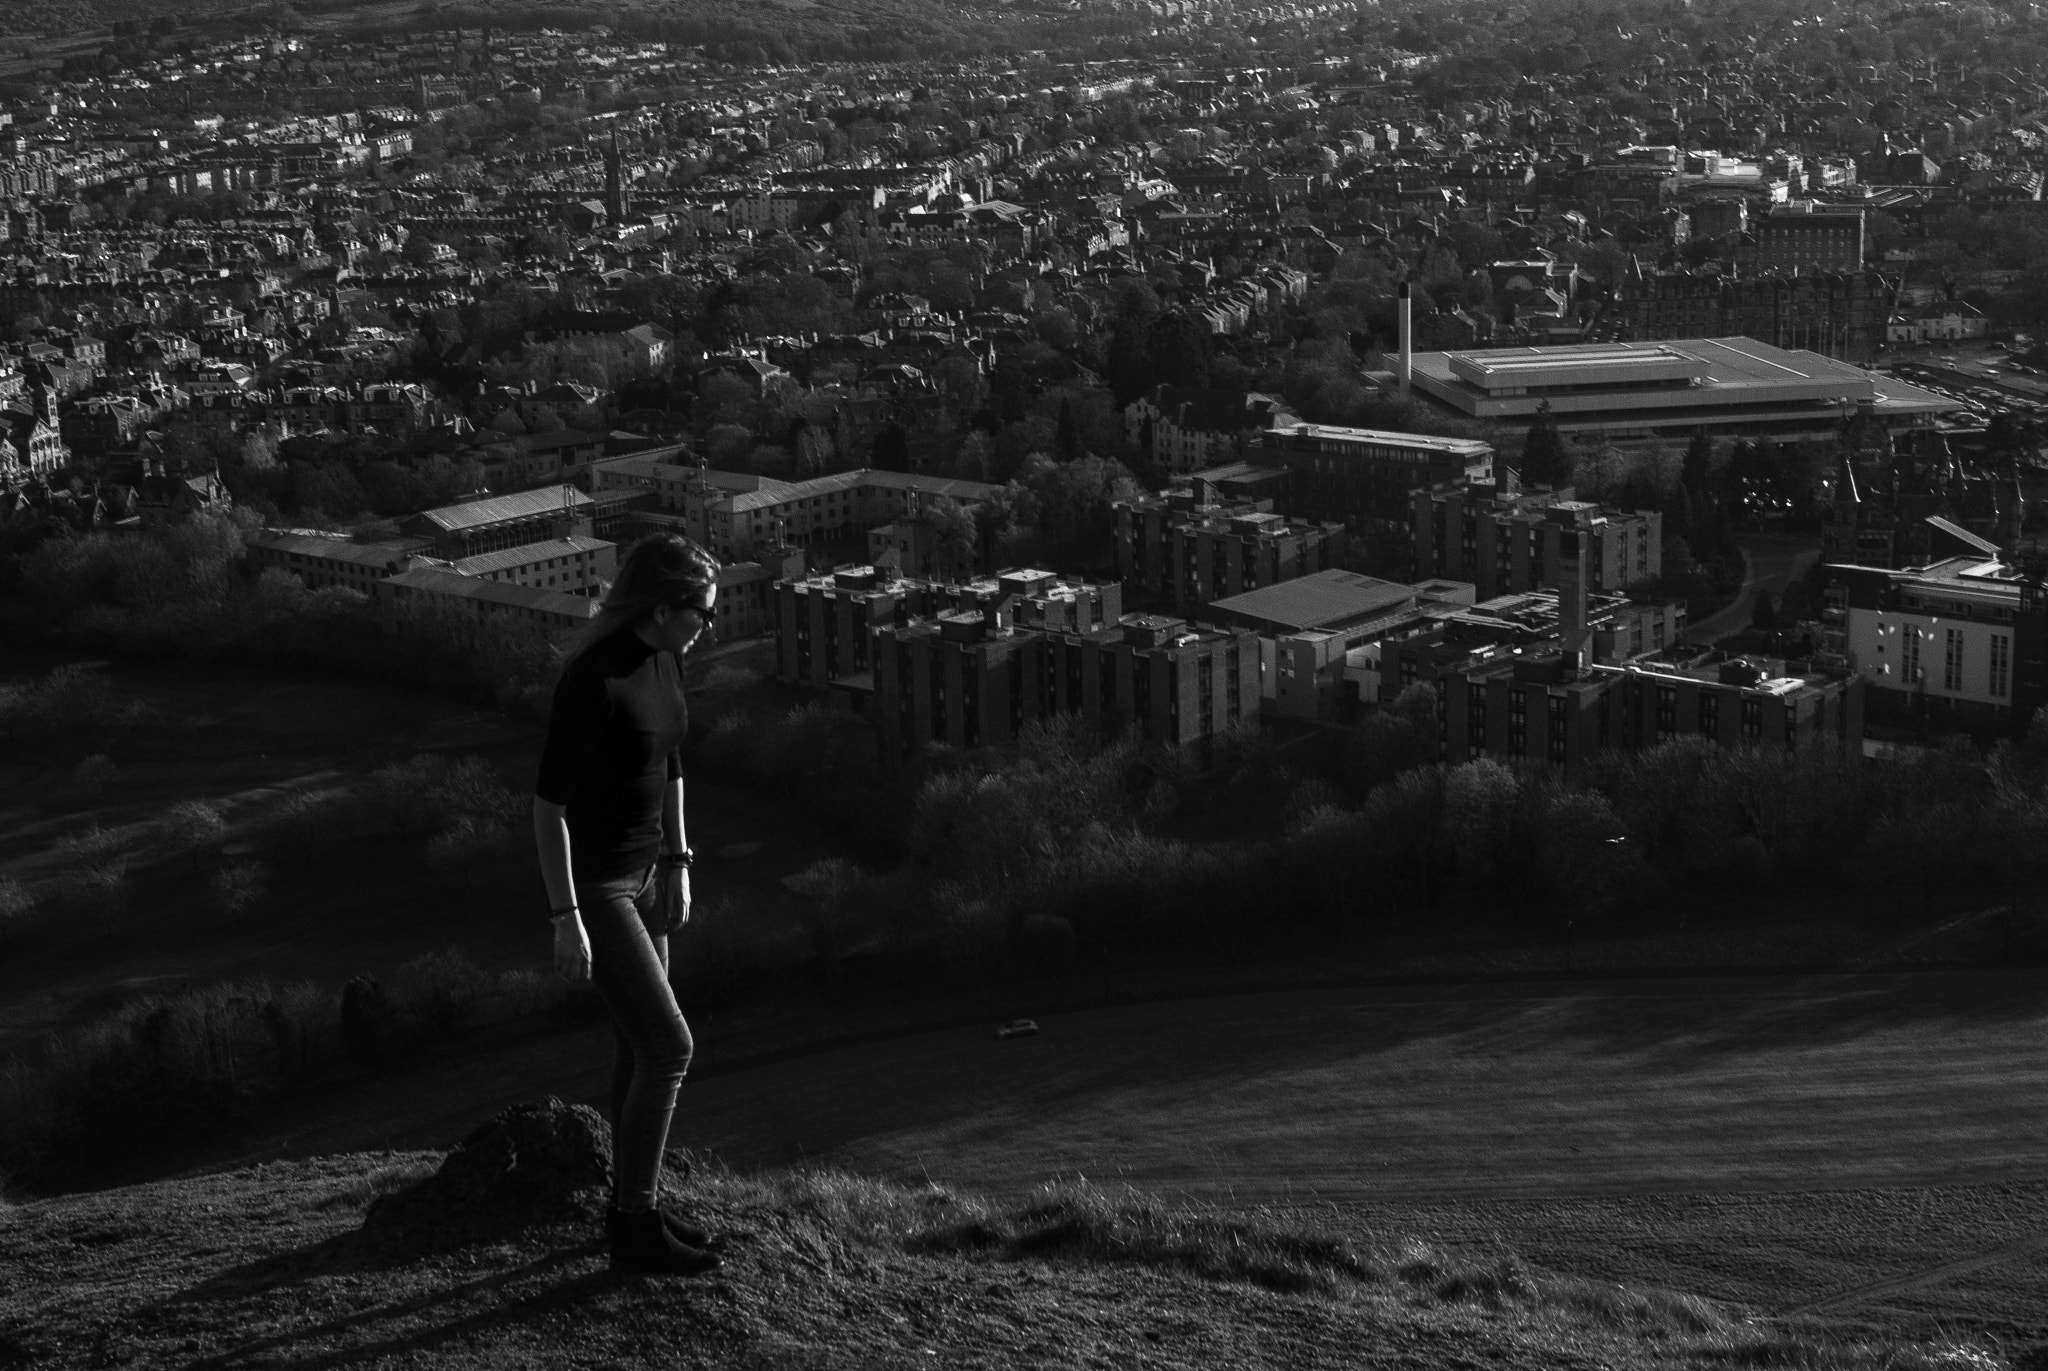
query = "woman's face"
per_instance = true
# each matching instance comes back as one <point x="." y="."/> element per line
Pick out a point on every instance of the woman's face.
<point x="678" y="625"/>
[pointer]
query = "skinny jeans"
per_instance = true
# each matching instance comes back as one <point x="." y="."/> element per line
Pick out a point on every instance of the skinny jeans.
<point x="652" y="1043"/>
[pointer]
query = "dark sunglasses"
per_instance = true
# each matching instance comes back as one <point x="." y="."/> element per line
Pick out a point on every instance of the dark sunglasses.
<point x="708" y="613"/>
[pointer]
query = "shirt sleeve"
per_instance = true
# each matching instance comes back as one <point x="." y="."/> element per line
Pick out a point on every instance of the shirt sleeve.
<point x="574" y="723"/>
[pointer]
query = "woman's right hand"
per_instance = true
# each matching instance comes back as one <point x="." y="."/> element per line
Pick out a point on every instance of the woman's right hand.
<point x="572" y="948"/>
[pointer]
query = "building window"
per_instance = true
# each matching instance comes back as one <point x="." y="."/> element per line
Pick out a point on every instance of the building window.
<point x="1667" y="713"/>
<point x="1752" y="720"/>
<point x="1710" y="715"/>
<point x="1475" y="718"/>
<point x="1952" y="660"/>
<point x="1559" y="723"/>
<point x="2001" y="665"/>
<point x="1909" y="649"/>
<point x="1518" y="720"/>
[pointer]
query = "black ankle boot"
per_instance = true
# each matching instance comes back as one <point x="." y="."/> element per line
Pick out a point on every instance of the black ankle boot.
<point x="688" y="1234"/>
<point x="641" y="1242"/>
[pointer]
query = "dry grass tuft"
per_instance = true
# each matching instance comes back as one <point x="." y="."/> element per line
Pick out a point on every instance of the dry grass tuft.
<point x="384" y="1180"/>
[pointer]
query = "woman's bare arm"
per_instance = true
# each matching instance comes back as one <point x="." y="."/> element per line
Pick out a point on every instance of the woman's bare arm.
<point x="551" y="840"/>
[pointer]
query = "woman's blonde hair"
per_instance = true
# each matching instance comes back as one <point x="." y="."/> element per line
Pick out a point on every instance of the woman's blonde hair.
<point x="656" y="571"/>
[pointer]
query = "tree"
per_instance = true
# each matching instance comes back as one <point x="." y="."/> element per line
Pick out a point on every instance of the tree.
<point x="1544" y="461"/>
<point x="1066" y="436"/>
<point x="1075" y="502"/>
<point x="954" y="536"/>
<point x="1763" y="616"/>
<point x="891" y="449"/>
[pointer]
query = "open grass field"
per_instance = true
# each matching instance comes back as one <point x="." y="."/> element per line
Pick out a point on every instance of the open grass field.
<point x="1866" y="1146"/>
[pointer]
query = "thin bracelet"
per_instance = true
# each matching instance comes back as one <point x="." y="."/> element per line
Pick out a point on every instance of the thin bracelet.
<point x="565" y="909"/>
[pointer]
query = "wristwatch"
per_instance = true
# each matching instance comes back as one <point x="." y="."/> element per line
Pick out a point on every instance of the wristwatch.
<point x="684" y="859"/>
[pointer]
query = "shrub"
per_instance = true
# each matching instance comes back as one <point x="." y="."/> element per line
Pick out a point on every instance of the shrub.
<point x="441" y="990"/>
<point x="190" y="824"/>
<point x="67" y="706"/>
<point x="192" y="1061"/>
<point x="17" y="909"/>
<point x="238" y="885"/>
<point x="95" y="775"/>
<point x="95" y="890"/>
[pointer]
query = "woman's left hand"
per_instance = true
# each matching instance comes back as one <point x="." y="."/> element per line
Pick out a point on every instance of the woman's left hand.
<point x="675" y="899"/>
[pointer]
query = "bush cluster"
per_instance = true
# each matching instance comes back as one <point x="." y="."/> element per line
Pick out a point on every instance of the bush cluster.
<point x="186" y="1063"/>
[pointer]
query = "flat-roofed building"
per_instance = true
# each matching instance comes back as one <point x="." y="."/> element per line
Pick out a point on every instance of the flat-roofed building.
<point x="1526" y="624"/>
<point x="1959" y="643"/>
<point x="1634" y="392"/>
<point x="1319" y="636"/>
<point x="827" y="622"/>
<point x="967" y="679"/>
<point x="1508" y="541"/>
<point x="1173" y="549"/>
<point x="1535" y="708"/>
<point x="1362" y="477"/>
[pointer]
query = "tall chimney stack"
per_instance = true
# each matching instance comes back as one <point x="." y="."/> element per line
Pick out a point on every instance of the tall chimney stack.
<point x="1575" y="636"/>
<point x="1402" y="368"/>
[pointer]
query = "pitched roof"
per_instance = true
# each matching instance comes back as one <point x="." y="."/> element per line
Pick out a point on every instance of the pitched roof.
<point x="522" y="504"/>
<point x="453" y="583"/>
<point x="510" y="558"/>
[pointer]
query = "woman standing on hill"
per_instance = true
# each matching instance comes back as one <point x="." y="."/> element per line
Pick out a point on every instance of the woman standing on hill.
<point x="608" y="819"/>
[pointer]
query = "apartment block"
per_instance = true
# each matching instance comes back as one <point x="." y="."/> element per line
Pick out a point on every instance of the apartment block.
<point x="826" y="623"/>
<point x="1363" y="477"/>
<point x="1960" y="643"/>
<point x="968" y="679"/>
<point x="1505" y="542"/>
<point x="1174" y="549"/>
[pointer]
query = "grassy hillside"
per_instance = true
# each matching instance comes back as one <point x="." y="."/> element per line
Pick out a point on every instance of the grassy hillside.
<point x="280" y="1266"/>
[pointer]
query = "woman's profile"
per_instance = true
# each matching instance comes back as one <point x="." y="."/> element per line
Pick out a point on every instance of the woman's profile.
<point x="615" y="857"/>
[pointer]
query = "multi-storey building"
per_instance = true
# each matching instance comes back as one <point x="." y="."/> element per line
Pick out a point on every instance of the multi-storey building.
<point x="1590" y="680"/>
<point x="735" y="513"/>
<point x="403" y="597"/>
<point x="1806" y="236"/>
<point x="1503" y="542"/>
<point x="1959" y="643"/>
<point x="967" y="679"/>
<point x="1362" y="477"/>
<point x="325" y="559"/>
<point x="575" y="565"/>
<point x="1841" y="314"/>
<point x="827" y="623"/>
<point x="502" y="521"/>
<point x="1173" y="548"/>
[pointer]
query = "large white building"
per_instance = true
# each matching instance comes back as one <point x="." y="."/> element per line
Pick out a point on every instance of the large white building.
<point x="1635" y="392"/>
<point x="1948" y="644"/>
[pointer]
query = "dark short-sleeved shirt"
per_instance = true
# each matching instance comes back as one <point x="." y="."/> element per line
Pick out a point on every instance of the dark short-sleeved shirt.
<point x="614" y="744"/>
